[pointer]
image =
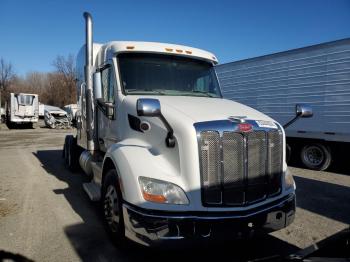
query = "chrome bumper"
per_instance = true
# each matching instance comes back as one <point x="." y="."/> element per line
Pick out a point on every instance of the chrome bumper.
<point x="155" y="227"/>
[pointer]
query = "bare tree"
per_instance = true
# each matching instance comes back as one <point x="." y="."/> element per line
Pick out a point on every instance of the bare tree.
<point x="54" y="88"/>
<point x="6" y="76"/>
<point x="64" y="79"/>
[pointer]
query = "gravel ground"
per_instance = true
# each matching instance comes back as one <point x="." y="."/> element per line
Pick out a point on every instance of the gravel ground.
<point x="46" y="216"/>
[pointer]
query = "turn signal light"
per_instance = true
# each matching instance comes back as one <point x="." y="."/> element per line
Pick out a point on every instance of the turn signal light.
<point x="153" y="198"/>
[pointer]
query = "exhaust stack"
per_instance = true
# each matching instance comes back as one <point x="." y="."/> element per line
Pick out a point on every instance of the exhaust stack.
<point x="88" y="81"/>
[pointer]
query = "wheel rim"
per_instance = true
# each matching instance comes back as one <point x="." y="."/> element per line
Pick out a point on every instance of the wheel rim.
<point x="314" y="156"/>
<point x="111" y="208"/>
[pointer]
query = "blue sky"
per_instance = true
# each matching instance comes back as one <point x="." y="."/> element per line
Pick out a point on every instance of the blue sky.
<point x="33" y="33"/>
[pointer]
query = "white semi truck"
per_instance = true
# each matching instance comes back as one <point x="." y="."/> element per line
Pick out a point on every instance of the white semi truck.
<point x="22" y="109"/>
<point x="168" y="158"/>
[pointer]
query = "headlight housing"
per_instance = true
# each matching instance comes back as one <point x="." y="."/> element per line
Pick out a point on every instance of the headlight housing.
<point x="159" y="191"/>
<point x="288" y="180"/>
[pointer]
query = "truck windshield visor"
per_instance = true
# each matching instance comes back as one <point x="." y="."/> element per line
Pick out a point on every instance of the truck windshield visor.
<point x="167" y="75"/>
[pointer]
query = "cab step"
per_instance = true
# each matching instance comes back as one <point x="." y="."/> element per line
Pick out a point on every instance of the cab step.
<point x="96" y="168"/>
<point x="93" y="190"/>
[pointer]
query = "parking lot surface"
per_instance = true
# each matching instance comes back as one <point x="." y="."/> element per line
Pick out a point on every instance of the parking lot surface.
<point x="46" y="216"/>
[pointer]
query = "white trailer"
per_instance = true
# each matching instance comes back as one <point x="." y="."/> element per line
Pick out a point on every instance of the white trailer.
<point x="168" y="158"/>
<point x="318" y="75"/>
<point x="22" y="109"/>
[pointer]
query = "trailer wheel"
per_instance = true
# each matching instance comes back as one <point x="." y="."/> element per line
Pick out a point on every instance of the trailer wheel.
<point x="71" y="153"/>
<point x="316" y="156"/>
<point x="111" y="202"/>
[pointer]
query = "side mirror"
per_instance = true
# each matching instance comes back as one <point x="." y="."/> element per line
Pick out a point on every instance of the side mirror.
<point x="148" y="107"/>
<point x="303" y="110"/>
<point x="151" y="107"/>
<point x="97" y="85"/>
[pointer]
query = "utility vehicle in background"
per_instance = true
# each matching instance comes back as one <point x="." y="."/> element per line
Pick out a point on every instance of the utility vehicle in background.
<point x="22" y="109"/>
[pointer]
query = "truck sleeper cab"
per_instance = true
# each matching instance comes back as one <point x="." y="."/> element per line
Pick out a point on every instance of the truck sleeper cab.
<point x="168" y="157"/>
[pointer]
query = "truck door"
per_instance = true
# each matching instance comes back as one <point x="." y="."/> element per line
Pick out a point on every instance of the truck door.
<point x="106" y="136"/>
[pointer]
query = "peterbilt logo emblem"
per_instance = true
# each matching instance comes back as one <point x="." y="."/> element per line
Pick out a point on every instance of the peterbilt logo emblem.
<point x="242" y="125"/>
<point x="237" y="119"/>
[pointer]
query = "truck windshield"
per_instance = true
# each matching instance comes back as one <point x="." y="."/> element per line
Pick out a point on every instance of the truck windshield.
<point x="25" y="100"/>
<point x="167" y="75"/>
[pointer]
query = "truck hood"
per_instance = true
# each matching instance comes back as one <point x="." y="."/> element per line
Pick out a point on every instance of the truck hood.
<point x="200" y="109"/>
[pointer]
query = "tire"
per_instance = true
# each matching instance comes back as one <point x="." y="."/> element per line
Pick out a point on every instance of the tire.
<point x="71" y="153"/>
<point x="64" y="151"/>
<point x="111" y="205"/>
<point x="316" y="156"/>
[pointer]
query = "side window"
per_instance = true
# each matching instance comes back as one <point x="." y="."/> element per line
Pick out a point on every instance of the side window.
<point x="108" y="83"/>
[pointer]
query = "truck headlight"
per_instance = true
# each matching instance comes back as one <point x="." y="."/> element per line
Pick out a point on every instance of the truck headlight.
<point x="289" y="180"/>
<point x="159" y="191"/>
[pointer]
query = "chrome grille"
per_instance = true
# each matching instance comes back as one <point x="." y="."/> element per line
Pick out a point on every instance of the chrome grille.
<point x="240" y="168"/>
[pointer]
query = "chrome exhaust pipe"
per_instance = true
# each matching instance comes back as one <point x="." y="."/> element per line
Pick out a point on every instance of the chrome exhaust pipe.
<point x="88" y="81"/>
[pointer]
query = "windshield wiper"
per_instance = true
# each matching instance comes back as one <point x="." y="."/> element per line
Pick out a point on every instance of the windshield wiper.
<point x="208" y="94"/>
<point x="141" y="92"/>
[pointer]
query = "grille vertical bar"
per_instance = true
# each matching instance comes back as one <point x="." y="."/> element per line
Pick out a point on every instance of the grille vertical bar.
<point x="233" y="165"/>
<point x="257" y="156"/>
<point x="211" y="167"/>
<point x="275" y="149"/>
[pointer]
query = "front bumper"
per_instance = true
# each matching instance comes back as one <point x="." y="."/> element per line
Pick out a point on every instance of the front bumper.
<point x="24" y="120"/>
<point x="155" y="227"/>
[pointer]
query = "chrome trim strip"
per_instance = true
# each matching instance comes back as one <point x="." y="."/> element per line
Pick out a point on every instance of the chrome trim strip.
<point x="268" y="208"/>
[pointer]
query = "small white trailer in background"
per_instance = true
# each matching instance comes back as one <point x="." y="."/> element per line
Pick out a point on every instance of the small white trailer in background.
<point x="318" y="75"/>
<point x="22" y="109"/>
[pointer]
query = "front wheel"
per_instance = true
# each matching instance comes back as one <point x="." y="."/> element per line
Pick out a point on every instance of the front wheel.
<point x="316" y="156"/>
<point x="112" y="207"/>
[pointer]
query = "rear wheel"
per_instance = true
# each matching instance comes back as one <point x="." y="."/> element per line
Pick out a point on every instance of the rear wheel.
<point x="112" y="207"/>
<point x="316" y="156"/>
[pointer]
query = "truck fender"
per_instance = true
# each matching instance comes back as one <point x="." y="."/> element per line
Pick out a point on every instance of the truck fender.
<point x="132" y="161"/>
